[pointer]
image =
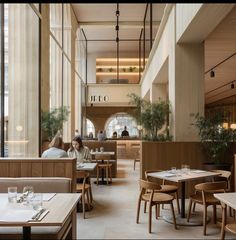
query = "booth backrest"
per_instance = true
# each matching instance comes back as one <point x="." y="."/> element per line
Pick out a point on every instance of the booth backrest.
<point x="40" y="185"/>
<point x="39" y="167"/>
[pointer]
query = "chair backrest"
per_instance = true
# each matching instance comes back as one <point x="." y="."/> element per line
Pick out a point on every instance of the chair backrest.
<point x="153" y="179"/>
<point x="102" y="157"/>
<point x="225" y="175"/>
<point x="146" y="185"/>
<point x="212" y="186"/>
<point x="41" y="184"/>
<point x="82" y="174"/>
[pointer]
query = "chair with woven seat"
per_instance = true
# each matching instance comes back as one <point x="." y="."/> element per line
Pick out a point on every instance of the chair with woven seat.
<point x="84" y="188"/>
<point x="224" y="176"/>
<point x="165" y="188"/>
<point x="148" y="194"/>
<point x="104" y="166"/>
<point x="204" y="196"/>
<point x="137" y="157"/>
<point x="225" y="226"/>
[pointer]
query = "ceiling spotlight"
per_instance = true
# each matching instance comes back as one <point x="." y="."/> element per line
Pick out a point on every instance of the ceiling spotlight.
<point x="212" y="74"/>
<point x="232" y="85"/>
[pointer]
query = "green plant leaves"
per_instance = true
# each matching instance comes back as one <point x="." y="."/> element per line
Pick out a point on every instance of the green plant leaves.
<point x="52" y="121"/>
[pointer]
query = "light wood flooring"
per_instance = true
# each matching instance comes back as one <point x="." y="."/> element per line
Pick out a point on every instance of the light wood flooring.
<point x="114" y="213"/>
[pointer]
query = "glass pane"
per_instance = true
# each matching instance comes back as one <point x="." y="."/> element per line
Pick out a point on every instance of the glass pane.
<point x="56" y="21"/>
<point x="81" y="56"/>
<point x="67" y="29"/>
<point x="36" y="5"/>
<point x="67" y="98"/>
<point x="55" y="74"/>
<point x="78" y="103"/>
<point x="21" y="82"/>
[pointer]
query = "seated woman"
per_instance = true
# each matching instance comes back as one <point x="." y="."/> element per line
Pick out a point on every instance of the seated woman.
<point x="55" y="149"/>
<point x="78" y="150"/>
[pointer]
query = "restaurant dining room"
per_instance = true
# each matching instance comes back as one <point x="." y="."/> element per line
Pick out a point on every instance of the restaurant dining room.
<point x="118" y="120"/>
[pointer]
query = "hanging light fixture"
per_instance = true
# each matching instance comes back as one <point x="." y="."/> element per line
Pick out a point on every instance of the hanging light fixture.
<point x="232" y="85"/>
<point x="117" y="39"/>
<point x="212" y="74"/>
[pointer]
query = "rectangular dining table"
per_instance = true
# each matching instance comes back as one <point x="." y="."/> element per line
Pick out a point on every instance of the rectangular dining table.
<point x="183" y="177"/>
<point x="102" y="153"/>
<point x="61" y="207"/>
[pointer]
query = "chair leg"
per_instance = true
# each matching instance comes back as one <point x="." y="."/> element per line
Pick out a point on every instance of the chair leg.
<point x="91" y="194"/>
<point x="204" y="220"/>
<point x="138" y="210"/>
<point x="150" y="218"/>
<point x="134" y="164"/>
<point x="110" y="174"/>
<point x="88" y="199"/>
<point x="224" y="213"/>
<point x="194" y="206"/>
<point x="107" y="175"/>
<point x="214" y="214"/>
<point x="145" y="207"/>
<point x="83" y="204"/>
<point x="157" y="210"/>
<point x="189" y="209"/>
<point x="177" y="201"/>
<point x="97" y="174"/>
<point x="173" y="214"/>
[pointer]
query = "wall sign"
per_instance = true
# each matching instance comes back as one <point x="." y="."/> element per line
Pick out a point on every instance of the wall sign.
<point x="100" y="98"/>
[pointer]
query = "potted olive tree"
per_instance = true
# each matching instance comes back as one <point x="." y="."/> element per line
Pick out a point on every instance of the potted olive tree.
<point x="152" y="117"/>
<point x="52" y="122"/>
<point x="215" y="139"/>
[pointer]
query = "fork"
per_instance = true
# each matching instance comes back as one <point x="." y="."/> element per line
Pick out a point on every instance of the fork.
<point x="38" y="214"/>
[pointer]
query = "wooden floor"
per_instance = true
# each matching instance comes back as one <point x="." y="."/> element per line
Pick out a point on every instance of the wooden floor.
<point x="114" y="213"/>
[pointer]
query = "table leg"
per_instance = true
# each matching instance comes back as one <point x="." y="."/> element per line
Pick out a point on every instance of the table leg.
<point x="103" y="172"/>
<point x="26" y="233"/>
<point x="182" y="199"/>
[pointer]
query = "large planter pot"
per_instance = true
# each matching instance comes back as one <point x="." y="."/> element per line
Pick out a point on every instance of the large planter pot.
<point x="215" y="166"/>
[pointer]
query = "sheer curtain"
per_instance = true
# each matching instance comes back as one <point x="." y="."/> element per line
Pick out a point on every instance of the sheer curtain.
<point x="23" y="112"/>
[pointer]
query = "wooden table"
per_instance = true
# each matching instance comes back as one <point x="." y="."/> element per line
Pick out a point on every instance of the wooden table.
<point x="87" y="166"/>
<point x="102" y="153"/>
<point x="182" y="177"/>
<point x="60" y="207"/>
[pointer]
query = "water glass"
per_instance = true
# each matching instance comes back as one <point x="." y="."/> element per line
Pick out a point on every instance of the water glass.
<point x="28" y="193"/>
<point x="101" y="149"/>
<point x="173" y="170"/>
<point x="12" y="194"/>
<point x="37" y="201"/>
<point x="96" y="149"/>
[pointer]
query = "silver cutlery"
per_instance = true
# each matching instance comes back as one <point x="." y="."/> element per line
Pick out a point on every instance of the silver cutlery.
<point x="38" y="214"/>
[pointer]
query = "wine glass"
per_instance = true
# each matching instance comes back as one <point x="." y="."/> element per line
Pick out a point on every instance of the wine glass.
<point x="28" y="193"/>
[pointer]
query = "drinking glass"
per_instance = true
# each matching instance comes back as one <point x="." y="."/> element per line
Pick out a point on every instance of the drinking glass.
<point x="12" y="194"/>
<point x="96" y="149"/>
<point x="173" y="170"/>
<point x="28" y="193"/>
<point x="37" y="201"/>
<point x="101" y="149"/>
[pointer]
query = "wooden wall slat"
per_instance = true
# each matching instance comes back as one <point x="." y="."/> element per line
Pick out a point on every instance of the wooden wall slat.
<point x="4" y="169"/>
<point x="48" y="169"/>
<point x="26" y="169"/>
<point x="14" y="169"/>
<point x="59" y="169"/>
<point x="37" y="169"/>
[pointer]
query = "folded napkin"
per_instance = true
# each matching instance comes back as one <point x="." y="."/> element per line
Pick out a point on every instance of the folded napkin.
<point x="41" y="216"/>
<point x="198" y="171"/>
<point x="17" y="215"/>
<point x="170" y="175"/>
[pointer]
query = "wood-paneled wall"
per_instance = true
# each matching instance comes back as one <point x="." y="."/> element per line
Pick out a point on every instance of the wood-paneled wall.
<point x="164" y="155"/>
<point x="39" y="167"/>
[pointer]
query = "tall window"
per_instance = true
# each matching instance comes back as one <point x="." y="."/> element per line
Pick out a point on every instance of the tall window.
<point x="90" y="127"/>
<point x="117" y="122"/>
<point x="21" y="93"/>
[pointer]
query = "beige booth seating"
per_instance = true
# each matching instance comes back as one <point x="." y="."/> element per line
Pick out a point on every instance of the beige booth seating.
<point x="109" y="146"/>
<point x="44" y="185"/>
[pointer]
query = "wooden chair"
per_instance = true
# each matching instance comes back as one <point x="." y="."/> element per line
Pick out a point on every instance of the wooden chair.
<point x="225" y="176"/>
<point x="204" y="196"/>
<point x="230" y="227"/>
<point x="154" y="199"/>
<point x="165" y="188"/>
<point x="137" y="157"/>
<point x="104" y="165"/>
<point x="84" y="188"/>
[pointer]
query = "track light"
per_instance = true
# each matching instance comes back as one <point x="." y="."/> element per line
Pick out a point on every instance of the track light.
<point x="212" y="74"/>
<point x="117" y="13"/>
<point x="117" y="28"/>
<point x="117" y="39"/>
<point x="232" y="85"/>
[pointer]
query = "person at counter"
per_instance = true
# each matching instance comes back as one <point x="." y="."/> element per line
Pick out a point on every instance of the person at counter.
<point x="78" y="150"/>
<point x="101" y="136"/>
<point x="114" y="135"/>
<point x="125" y="133"/>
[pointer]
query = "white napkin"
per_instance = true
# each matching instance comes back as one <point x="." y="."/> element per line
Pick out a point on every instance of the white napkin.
<point x="198" y="171"/>
<point x="17" y="215"/>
